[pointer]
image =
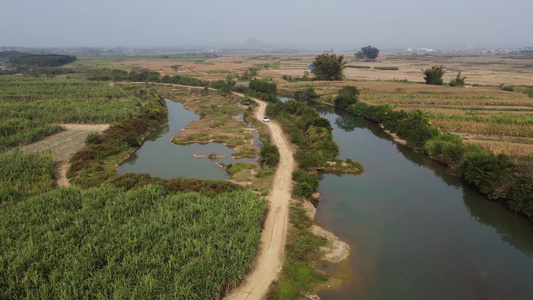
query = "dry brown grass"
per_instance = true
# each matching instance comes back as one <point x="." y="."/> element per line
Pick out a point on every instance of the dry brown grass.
<point x="510" y="149"/>
<point x="489" y="129"/>
<point x="403" y="88"/>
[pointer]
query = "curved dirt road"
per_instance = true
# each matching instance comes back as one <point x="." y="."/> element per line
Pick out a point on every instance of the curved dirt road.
<point x="269" y="261"/>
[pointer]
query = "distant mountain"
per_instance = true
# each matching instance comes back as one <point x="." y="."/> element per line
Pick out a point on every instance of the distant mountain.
<point x="254" y="44"/>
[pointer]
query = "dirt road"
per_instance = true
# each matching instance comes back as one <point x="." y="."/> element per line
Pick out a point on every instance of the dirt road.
<point x="269" y="262"/>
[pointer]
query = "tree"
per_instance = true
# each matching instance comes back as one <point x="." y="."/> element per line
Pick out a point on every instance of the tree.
<point x="369" y="52"/>
<point x="434" y="75"/>
<point x="346" y="97"/>
<point x="328" y="67"/>
<point x="458" y="81"/>
<point x="360" y="55"/>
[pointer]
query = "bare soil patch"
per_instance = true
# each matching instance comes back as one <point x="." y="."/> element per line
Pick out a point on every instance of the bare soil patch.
<point x="64" y="144"/>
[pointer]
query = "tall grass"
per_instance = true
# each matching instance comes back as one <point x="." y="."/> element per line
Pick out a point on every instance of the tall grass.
<point x="148" y="244"/>
<point x="30" y="106"/>
<point x="25" y="174"/>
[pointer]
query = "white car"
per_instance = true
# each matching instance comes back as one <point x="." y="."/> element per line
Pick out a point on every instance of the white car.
<point x="265" y="119"/>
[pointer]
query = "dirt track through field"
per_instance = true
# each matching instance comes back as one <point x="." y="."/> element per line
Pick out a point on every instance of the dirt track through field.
<point x="270" y="259"/>
<point x="64" y="144"/>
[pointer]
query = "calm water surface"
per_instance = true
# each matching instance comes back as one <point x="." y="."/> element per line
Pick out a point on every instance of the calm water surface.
<point x="158" y="156"/>
<point x="415" y="232"/>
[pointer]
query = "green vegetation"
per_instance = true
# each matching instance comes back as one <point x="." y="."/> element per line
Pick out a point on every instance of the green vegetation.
<point x="148" y="243"/>
<point x="358" y="67"/>
<point x="303" y="248"/>
<point x="25" y="174"/>
<point x="387" y="68"/>
<point x="434" y="75"/>
<point x="90" y="166"/>
<point x="328" y="67"/>
<point x="346" y="97"/>
<point x="305" y="183"/>
<point x="269" y="154"/>
<point x="310" y="132"/>
<point x="31" y="107"/>
<point x="524" y="89"/>
<point x="155" y="243"/>
<point x="458" y="81"/>
<point x="496" y="176"/>
<point x="142" y="76"/>
<point x="43" y="60"/>
<point x="307" y="94"/>
<point x="262" y="89"/>
<point x="263" y="86"/>
<point x="368" y="52"/>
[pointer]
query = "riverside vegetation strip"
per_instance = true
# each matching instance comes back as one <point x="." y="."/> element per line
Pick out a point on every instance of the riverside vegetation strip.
<point x="154" y="242"/>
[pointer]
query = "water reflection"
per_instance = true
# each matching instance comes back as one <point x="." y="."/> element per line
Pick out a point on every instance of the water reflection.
<point x="158" y="156"/>
<point x="418" y="232"/>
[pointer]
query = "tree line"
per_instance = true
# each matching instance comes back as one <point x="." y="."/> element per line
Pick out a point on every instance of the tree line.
<point x="42" y="60"/>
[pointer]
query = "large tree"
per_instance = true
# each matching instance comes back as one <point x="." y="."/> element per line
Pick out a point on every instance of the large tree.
<point x="328" y="67"/>
<point x="368" y="52"/>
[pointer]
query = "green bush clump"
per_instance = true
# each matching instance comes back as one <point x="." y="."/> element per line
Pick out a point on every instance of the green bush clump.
<point x="346" y="97"/>
<point x="263" y="86"/>
<point x="486" y="171"/>
<point x="458" y="80"/>
<point x="310" y="132"/>
<point x="269" y="154"/>
<point x="434" y="75"/>
<point x="448" y="149"/>
<point x="305" y="183"/>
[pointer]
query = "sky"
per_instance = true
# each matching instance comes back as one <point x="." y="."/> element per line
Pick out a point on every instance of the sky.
<point x="339" y="24"/>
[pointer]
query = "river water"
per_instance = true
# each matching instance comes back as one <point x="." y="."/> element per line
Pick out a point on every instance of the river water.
<point x="416" y="232"/>
<point x="159" y="157"/>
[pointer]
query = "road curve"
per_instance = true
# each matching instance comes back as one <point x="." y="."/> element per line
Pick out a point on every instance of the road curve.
<point x="270" y="258"/>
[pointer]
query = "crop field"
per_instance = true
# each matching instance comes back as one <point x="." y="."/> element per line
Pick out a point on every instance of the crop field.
<point x="106" y="243"/>
<point x="31" y="108"/>
<point x="483" y="108"/>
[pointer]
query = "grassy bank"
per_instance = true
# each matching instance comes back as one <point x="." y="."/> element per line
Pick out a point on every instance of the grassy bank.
<point x="498" y="177"/>
<point x="316" y="151"/>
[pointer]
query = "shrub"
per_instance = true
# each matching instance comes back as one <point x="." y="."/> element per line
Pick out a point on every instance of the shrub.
<point x="94" y="138"/>
<point x="305" y="183"/>
<point x="458" y="81"/>
<point x="269" y="154"/>
<point x="434" y="75"/>
<point x="263" y="86"/>
<point x="486" y="171"/>
<point x="447" y="148"/>
<point x="346" y="97"/>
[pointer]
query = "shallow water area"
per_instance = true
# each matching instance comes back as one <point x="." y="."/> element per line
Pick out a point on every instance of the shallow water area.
<point x="159" y="157"/>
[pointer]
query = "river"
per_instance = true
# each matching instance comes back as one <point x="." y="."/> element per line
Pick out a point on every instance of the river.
<point x="416" y="232"/>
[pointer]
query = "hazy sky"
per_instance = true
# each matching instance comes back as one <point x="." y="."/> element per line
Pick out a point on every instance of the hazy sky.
<point x="346" y="24"/>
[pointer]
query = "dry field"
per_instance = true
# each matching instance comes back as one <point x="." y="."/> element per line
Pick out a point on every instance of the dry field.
<point x="499" y="121"/>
